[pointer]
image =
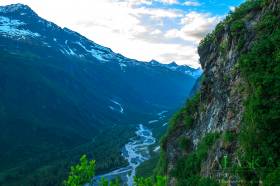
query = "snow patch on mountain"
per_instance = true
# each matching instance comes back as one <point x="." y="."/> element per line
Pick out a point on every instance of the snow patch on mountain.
<point x="122" y="66"/>
<point x="69" y="50"/>
<point x="179" y="68"/>
<point x="95" y="53"/>
<point x="5" y="21"/>
<point x="11" y="28"/>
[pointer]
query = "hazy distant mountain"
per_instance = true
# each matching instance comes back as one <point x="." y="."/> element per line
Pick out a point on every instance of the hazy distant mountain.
<point x="62" y="95"/>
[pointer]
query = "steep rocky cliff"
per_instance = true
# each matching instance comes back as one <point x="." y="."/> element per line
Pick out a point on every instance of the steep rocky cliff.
<point x="204" y="144"/>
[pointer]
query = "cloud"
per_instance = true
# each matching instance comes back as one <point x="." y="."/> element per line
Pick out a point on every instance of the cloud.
<point x="158" y="13"/>
<point x="134" y="2"/>
<point x="192" y="3"/>
<point x="232" y="8"/>
<point x="156" y="32"/>
<point x="180" y="53"/>
<point x="133" y="28"/>
<point x="194" y="26"/>
<point x="169" y="1"/>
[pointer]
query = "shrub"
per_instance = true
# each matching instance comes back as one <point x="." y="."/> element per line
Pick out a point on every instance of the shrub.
<point x="185" y="116"/>
<point x="188" y="121"/>
<point x="184" y="143"/>
<point x="198" y="181"/>
<point x="272" y="178"/>
<point x="229" y="136"/>
<point x="159" y="181"/>
<point x="246" y="7"/>
<point x="189" y="166"/>
<point x="260" y="132"/>
<point x="81" y="173"/>
<point x="237" y="27"/>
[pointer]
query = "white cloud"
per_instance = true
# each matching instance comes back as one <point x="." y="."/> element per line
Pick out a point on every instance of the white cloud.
<point x="194" y="27"/>
<point x="232" y="8"/>
<point x="156" y="32"/>
<point x="138" y="32"/>
<point x="135" y="2"/>
<point x="192" y="3"/>
<point x="169" y="1"/>
<point x="158" y="13"/>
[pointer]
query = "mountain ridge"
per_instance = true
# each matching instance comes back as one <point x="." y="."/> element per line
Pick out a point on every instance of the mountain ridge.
<point x="89" y="47"/>
<point x="62" y="95"/>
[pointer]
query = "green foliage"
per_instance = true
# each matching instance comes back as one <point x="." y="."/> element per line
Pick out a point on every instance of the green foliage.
<point x="188" y="113"/>
<point x="260" y="133"/>
<point x="269" y="23"/>
<point x="175" y="120"/>
<point x="259" y="139"/>
<point x="189" y="167"/>
<point x="224" y="47"/>
<point x="211" y="37"/>
<point x="104" y="182"/>
<point x="248" y="6"/>
<point x="188" y="120"/>
<point x="161" y="167"/>
<point x="241" y="42"/>
<point x="185" y="116"/>
<point x="272" y="178"/>
<point x="205" y="144"/>
<point x="207" y="182"/>
<point x="81" y="173"/>
<point x="237" y="27"/>
<point x="206" y="40"/>
<point x="184" y="143"/>
<point x="229" y="136"/>
<point x="147" y="168"/>
<point x="234" y="20"/>
<point x="198" y="181"/>
<point x="159" y="181"/>
<point x="143" y="181"/>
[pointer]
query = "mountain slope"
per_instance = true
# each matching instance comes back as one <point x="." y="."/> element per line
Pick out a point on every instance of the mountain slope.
<point x="62" y="95"/>
<point x="228" y="133"/>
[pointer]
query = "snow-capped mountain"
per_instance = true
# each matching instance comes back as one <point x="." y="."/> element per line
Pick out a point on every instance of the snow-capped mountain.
<point x="62" y="95"/>
<point x="179" y="68"/>
<point x="19" y="22"/>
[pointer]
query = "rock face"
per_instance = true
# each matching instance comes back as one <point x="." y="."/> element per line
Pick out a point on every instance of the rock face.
<point x="221" y="105"/>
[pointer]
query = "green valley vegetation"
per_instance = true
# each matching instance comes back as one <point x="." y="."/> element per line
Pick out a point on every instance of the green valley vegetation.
<point x="83" y="173"/>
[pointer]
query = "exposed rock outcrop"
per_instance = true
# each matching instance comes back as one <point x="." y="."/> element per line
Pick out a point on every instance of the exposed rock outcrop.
<point x="222" y="96"/>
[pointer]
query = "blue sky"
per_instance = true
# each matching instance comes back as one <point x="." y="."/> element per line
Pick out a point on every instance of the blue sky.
<point x="164" y="30"/>
<point x="216" y="7"/>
